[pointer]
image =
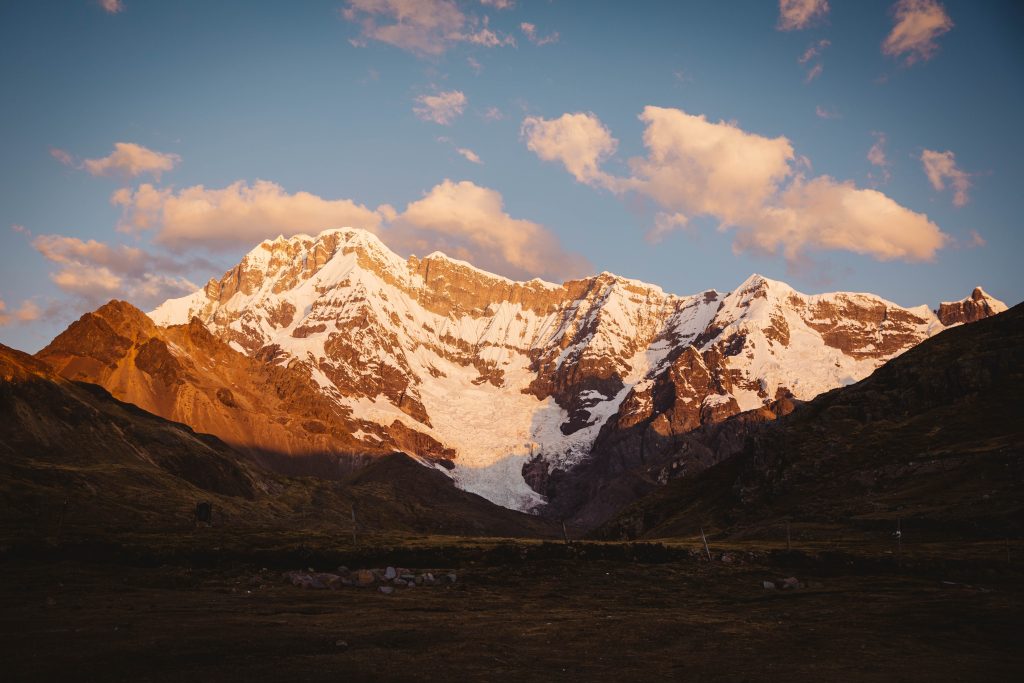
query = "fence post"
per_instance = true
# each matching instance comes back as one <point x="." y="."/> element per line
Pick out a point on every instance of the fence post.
<point x="705" y="539"/>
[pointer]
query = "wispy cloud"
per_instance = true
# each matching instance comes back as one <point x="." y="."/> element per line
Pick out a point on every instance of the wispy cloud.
<point x="465" y="152"/>
<point x="813" y="52"/>
<point x="62" y="156"/>
<point x="442" y="108"/>
<point x="752" y="184"/>
<point x="941" y="168"/>
<point x="27" y="312"/>
<point x="112" y="6"/>
<point x="426" y="28"/>
<point x="499" y="4"/>
<point x="493" y="114"/>
<point x="799" y="14"/>
<point x="128" y="160"/>
<point x="918" y="23"/>
<point x="878" y="159"/>
<point x="826" y="113"/>
<point x="530" y="31"/>
<point x="95" y="272"/>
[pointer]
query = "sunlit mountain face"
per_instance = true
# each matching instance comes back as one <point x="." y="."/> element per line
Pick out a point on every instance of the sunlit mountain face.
<point x="492" y="379"/>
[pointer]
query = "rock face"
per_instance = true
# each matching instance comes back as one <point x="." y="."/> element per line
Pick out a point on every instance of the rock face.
<point x="183" y="373"/>
<point x="972" y="309"/>
<point x="515" y="386"/>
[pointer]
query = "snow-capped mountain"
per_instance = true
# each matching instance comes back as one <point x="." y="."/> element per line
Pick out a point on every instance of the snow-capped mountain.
<point x="494" y="374"/>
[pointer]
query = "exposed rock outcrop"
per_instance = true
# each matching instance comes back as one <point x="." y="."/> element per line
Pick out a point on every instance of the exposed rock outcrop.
<point x="977" y="306"/>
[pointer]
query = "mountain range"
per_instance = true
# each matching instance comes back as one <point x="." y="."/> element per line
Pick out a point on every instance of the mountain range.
<point x="317" y="355"/>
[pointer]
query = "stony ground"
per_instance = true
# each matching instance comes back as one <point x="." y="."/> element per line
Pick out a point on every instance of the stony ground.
<point x="573" y="619"/>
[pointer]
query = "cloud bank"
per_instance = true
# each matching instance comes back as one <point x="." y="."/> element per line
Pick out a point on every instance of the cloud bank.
<point x="749" y="183"/>
<point x="461" y="218"/>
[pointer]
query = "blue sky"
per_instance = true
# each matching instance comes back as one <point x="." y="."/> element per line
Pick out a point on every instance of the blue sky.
<point x="357" y="112"/>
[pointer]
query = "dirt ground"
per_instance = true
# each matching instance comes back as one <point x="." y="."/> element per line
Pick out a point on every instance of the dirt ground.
<point x="550" y="619"/>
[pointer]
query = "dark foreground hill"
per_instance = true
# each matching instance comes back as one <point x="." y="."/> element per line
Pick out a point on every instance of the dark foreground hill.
<point x="934" y="439"/>
<point x="76" y="462"/>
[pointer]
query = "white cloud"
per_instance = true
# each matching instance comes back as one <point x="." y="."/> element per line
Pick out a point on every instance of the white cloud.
<point x="918" y="24"/>
<point x="530" y="31"/>
<point x="442" y="108"/>
<point x="799" y="14"/>
<point x="128" y="160"/>
<point x="823" y="213"/>
<point x="814" y="72"/>
<point x="940" y="167"/>
<point x="878" y="159"/>
<point x="423" y="27"/>
<point x="694" y="166"/>
<point x="493" y="114"/>
<point x="499" y="4"/>
<point x="112" y="6"/>
<point x="237" y="215"/>
<point x="580" y="141"/>
<point x="28" y="312"/>
<point x="747" y="182"/>
<point x="469" y="222"/>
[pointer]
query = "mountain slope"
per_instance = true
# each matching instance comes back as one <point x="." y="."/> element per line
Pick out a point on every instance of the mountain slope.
<point x="74" y="458"/>
<point x="183" y="373"/>
<point x="502" y="372"/>
<point x="934" y="437"/>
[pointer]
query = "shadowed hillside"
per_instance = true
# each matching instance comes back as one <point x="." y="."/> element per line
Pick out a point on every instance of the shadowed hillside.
<point x="74" y="461"/>
<point x="934" y="438"/>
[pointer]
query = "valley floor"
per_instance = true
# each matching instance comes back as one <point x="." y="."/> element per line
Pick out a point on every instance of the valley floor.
<point x="568" y="618"/>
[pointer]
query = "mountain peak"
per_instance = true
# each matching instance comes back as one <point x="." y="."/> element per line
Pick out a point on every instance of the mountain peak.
<point x="455" y="359"/>
<point x="980" y="304"/>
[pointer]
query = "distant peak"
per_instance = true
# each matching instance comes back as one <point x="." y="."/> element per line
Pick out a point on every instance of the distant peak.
<point x="349" y="233"/>
<point x="978" y="294"/>
<point x="980" y="304"/>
